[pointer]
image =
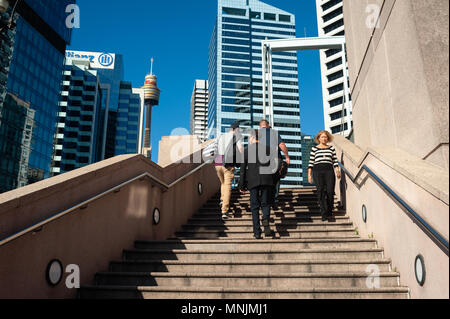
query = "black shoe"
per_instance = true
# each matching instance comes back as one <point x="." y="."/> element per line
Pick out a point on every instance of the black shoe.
<point x="267" y="231"/>
<point x="324" y="218"/>
<point x="258" y="236"/>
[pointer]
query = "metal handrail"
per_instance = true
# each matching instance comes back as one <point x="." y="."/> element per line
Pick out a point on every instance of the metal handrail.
<point x="94" y="198"/>
<point x="434" y="235"/>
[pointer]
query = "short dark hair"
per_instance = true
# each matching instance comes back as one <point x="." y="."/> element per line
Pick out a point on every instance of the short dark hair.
<point x="234" y="126"/>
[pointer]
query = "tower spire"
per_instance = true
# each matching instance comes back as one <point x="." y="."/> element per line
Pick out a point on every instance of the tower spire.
<point x="151" y="69"/>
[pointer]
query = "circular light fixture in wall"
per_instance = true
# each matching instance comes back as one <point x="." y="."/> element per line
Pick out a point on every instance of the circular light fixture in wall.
<point x="419" y="269"/>
<point x="200" y="188"/>
<point x="156" y="216"/>
<point x="364" y="213"/>
<point x="54" y="272"/>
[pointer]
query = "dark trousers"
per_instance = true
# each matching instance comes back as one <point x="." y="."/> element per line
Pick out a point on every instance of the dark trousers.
<point x="325" y="181"/>
<point x="260" y="197"/>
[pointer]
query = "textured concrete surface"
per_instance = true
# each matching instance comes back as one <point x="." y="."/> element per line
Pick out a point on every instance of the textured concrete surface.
<point x="399" y="76"/>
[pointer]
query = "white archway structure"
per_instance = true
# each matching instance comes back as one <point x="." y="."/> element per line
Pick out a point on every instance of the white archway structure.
<point x="299" y="44"/>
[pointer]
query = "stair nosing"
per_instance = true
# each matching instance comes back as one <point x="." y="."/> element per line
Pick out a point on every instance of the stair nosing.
<point x="247" y="275"/>
<point x="262" y="290"/>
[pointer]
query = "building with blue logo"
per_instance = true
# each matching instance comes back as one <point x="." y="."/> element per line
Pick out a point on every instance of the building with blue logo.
<point x="100" y="115"/>
<point x="33" y="82"/>
<point x="235" y="75"/>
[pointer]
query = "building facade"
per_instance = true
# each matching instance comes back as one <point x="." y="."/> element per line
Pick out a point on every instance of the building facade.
<point x="235" y="74"/>
<point x="199" y="109"/>
<point x="33" y="80"/>
<point x="330" y="21"/>
<point x="100" y="114"/>
<point x="16" y="131"/>
<point x="128" y="120"/>
<point x="307" y="145"/>
<point x="78" y="138"/>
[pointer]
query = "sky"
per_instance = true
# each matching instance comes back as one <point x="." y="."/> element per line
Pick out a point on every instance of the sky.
<point x="176" y="34"/>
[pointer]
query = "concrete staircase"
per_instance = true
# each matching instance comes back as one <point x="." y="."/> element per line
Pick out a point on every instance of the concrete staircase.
<point x="211" y="258"/>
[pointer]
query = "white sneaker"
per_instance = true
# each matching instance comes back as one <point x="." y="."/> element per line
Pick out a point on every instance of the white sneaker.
<point x="225" y="215"/>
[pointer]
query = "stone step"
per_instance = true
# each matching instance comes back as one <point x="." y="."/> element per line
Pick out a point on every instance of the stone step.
<point x="287" y="266"/>
<point x="252" y="254"/>
<point x="243" y="280"/>
<point x="273" y="213"/>
<point x="123" y="292"/>
<point x="289" y="233"/>
<point x="281" y="199"/>
<point x="273" y="220"/>
<point x="275" y="227"/>
<point x="281" y="205"/>
<point x="227" y="244"/>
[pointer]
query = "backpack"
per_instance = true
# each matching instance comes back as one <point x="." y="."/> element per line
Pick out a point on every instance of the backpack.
<point x="282" y="172"/>
<point x="232" y="156"/>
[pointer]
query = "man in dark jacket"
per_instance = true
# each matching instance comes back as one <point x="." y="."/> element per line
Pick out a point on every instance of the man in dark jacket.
<point x="272" y="137"/>
<point x="257" y="175"/>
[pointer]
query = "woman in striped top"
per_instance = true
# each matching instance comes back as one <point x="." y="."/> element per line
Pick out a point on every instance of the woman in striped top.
<point x="322" y="167"/>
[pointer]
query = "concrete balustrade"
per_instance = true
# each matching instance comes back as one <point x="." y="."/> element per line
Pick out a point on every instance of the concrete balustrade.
<point x="423" y="186"/>
<point x="91" y="236"/>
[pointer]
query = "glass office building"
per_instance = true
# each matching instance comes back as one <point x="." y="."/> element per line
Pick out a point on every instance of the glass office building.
<point x="307" y="145"/>
<point x="35" y="75"/>
<point x="78" y="139"/>
<point x="16" y="130"/>
<point x="128" y="121"/>
<point x="100" y="114"/>
<point x="235" y="74"/>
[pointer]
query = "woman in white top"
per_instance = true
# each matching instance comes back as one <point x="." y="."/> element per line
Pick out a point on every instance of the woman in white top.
<point x="322" y="167"/>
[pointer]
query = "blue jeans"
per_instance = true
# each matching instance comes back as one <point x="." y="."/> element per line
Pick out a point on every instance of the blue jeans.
<point x="260" y="197"/>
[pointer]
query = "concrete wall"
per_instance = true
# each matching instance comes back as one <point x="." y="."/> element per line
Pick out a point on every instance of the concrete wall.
<point x="399" y="74"/>
<point x="93" y="236"/>
<point x="424" y="187"/>
<point x="174" y="148"/>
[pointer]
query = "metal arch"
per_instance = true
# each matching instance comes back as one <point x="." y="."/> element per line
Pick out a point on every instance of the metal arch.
<point x="299" y="44"/>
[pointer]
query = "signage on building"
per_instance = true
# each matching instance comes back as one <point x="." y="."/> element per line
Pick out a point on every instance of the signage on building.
<point x="98" y="60"/>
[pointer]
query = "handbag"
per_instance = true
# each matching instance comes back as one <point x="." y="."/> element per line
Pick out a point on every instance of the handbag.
<point x="283" y="169"/>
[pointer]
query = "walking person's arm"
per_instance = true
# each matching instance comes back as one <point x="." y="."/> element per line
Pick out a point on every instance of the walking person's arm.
<point x="336" y="164"/>
<point x="312" y="158"/>
<point x="285" y="151"/>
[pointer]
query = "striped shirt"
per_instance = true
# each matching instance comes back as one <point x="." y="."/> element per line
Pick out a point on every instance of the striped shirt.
<point x="323" y="156"/>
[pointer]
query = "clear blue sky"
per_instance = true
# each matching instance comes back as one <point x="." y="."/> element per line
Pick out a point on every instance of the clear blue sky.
<point x="177" y="34"/>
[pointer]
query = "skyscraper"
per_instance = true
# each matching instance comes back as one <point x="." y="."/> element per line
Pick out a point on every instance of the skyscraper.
<point x="199" y="109"/>
<point x="307" y="145"/>
<point x="100" y="114"/>
<point x="78" y="139"/>
<point x="330" y="20"/>
<point x="235" y="74"/>
<point x="34" y="79"/>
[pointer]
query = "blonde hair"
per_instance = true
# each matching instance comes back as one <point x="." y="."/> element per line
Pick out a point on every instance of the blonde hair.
<point x="328" y="134"/>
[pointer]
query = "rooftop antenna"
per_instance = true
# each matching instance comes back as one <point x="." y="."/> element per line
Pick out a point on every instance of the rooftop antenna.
<point x="151" y="69"/>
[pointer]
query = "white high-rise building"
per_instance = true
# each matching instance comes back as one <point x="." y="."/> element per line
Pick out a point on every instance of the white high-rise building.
<point x="199" y="109"/>
<point x="235" y="75"/>
<point x="330" y="21"/>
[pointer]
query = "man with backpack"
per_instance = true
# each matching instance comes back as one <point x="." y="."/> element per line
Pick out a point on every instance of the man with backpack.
<point x="229" y="151"/>
<point x="273" y="139"/>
